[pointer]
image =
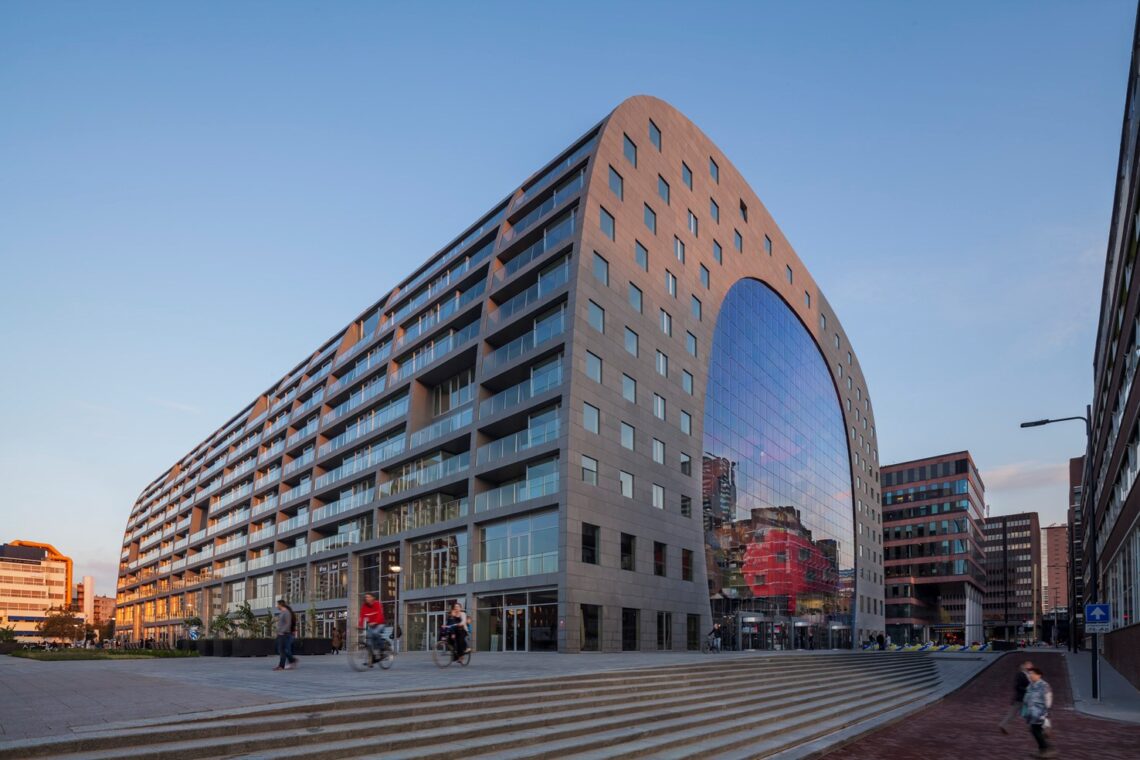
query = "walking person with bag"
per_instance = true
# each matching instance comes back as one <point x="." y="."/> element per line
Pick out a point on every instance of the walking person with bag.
<point x="1020" y="684"/>
<point x="286" y="630"/>
<point x="1035" y="710"/>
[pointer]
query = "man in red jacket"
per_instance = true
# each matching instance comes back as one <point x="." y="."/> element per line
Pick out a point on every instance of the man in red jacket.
<point x="371" y="618"/>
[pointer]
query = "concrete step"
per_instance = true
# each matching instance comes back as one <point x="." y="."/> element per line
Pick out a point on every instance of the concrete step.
<point x="505" y="718"/>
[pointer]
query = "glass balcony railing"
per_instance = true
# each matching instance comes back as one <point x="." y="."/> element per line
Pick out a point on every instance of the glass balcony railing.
<point x="317" y="377"/>
<point x="206" y="553"/>
<point x="265" y="560"/>
<point x="556" y="171"/>
<point x="309" y="429"/>
<point x="568" y="188"/>
<point x="441" y="313"/>
<point x="543" y="332"/>
<point x="268" y="505"/>
<point x="344" y="504"/>
<point x="520" y="441"/>
<point x="517" y="567"/>
<point x="421" y="513"/>
<point x="278" y="424"/>
<point x="547" y="283"/>
<point x="228" y="546"/>
<point x="230" y="568"/>
<point x="181" y="543"/>
<point x="358" y="398"/>
<point x="361" y="462"/>
<point x="231" y="496"/>
<point x="240" y="470"/>
<point x="311" y="402"/>
<point x="448" y="424"/>
<point x="429" y="354"/>
<point x="293" y="523"/>
<point x="425" y="474"/>
<point x="389" y="413"/>
<point x="262" y="533"/>
<point x="267" y="478"/>
<point x="297" y="491"/>
<point x="228" y="521"/>
<point x="286" y="399"/>
<point x="271" y="452"/>
<point x="305" y="459"/>
<point x="338" y="541"/>
<point x="521" y="393"/>
<point x="555" y="233"/>
<point x="245" y="446"/>
<point x="288" y="555"/>
<point x="513" y="493"/>
<point x="197" y="536"/>
<point x="490" y="223"/>
<point x="375" y="358"/>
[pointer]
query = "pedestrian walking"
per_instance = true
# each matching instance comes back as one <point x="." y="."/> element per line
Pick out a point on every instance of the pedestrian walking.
<point x="1020" y="684"/>
<point x="286" y="629"/>
<point x="337" y="641"/>
<point x="1038" y="700"/>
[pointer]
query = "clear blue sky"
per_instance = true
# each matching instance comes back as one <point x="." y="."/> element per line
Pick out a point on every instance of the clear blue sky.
<point x="193" y="195"/>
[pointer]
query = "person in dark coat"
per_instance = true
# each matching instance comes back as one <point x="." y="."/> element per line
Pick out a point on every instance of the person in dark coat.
<point x="1020" y="684"/>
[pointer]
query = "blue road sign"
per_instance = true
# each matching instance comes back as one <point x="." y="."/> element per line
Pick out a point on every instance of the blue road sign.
<point x="1098" y="618"/>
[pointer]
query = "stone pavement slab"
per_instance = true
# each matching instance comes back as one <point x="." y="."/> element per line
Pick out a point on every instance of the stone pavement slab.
<point x="965" y="723"/>
<point x="1119" y="699"/>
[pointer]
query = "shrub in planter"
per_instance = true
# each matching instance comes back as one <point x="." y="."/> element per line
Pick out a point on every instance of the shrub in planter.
<point x="312" y="646"/>
<point x="224" y="648"/>
<point x="205" y="647"/>
<point x="183" y="644"/>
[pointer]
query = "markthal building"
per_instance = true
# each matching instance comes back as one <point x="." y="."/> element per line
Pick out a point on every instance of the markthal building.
<point x="615" y="409"/>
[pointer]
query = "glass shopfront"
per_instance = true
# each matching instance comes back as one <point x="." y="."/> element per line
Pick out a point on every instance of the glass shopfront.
<point x="522" y="621"/>
<point x="776" y="481"/>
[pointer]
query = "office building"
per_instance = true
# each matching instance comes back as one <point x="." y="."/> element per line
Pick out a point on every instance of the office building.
<point x="1013" y="576"/>
<point x="83" y="600"/>
<point x="1055" y="582"/>
<point x="1111" y="506"/>
<point x="1077" y="568"/>
<point x="934" y="549"/>
<point x="519" y="423"/>
<point x="34" y="578"/>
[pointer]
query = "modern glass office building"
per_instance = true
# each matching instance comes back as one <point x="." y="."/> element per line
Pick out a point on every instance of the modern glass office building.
<point x="615" y="407"/>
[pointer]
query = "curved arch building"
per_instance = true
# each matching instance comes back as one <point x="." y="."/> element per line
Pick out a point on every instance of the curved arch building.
<point x="616" y="407"/>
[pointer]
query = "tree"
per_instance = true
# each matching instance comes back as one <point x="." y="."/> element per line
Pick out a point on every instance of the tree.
<point x="222" y="625"/>
<point x="61" y="624"/>
<point x="107" y="630"/>
<point x="245" y="620"/>
<point x="7" y="633"/>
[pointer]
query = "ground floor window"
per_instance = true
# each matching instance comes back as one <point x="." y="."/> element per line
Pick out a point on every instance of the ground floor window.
<point x="591" y="627"/>
<point x="693" y="632"/>
<point x="630" y="629"/>
<point x="377" y="578"/>
<point x="521" y="621"/>
<point x="664" y="631"/>
<point x="423" y="621"/>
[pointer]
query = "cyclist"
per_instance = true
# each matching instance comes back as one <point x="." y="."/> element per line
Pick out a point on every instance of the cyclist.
<point x="457" y="627"/>
<point x="371" y="621"/>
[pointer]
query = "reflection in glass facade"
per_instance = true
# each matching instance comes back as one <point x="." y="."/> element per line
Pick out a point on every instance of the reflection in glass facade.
<point x="776" y="480"/>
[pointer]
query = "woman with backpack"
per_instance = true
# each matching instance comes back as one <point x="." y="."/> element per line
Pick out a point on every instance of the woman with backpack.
<point x="286" y="630"/>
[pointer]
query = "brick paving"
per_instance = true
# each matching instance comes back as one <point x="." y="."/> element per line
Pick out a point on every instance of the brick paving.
<point x="964" y="724"/>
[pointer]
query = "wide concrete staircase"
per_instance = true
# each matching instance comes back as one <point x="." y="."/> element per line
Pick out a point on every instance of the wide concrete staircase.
<point x="731" y="706"/>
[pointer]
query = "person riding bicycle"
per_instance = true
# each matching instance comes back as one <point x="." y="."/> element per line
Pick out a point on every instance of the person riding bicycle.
<point x="457" y="627"/>
<point x="371" y="621"/>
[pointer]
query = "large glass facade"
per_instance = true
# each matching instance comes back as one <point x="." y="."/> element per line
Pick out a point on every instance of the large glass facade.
<point x="776" y="481"/>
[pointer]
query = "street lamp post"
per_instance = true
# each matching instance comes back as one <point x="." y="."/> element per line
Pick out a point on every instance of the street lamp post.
<point x="1087" y="499"/>
<point x="395" y="570"/>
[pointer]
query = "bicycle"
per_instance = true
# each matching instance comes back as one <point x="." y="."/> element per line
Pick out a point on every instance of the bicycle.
<point x="372" y="649"/>
<point x="711" y="644"/>
<point x="444" y="650"/>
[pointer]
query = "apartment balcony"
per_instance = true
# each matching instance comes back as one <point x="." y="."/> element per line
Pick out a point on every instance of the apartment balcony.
<point x="265" y="506"/>
<point x="303" y="433"/>
<point x="517" y="567"/>
<point x="520" y="441"/>
<point x="361" y="368"/>
<point x="519" y="491"/>
<point x="177" y="565"/>
<point x="426" y="475"/>
<point x="265" y="560"/>
<point x="276" y="426"/>
<point x="288" y="555"/>
<point x="262" y="602"/>
<point x="230" y="568"/>
<point x="228" y="546"/>
<point x="237" y="518"/>
<point x="271" y="452"/>
<point x="345" y="504"/>
<point x="293" y="523"/>
<point x="566" y="189"/>
<point x="249" y="443"/>
<point x="262" y="534"/>
<point x="555" y="233"/>
<point x="543" y="333"/>
<point x="297" y="491"/>
<point x="535" y="294"/>
<point x="181" y="543"/>
<point x="356" y="400"/>
<point x="231" y="497"/>
<point x="305" y="459"/>
<point x="266" y="480"/>
<point x="555" y="172"/>
<point x="283" y="401"/>
<point x="421" y="513"/>
<point x="443" y="427"/>
<point x="429" y="355"/>
<point x="310" y="403"/>
<point x="183" y="523"/>
<point x="206" y="553"/>
<point x="197" y="536"/>
<point x="338" y="541"/>
<point x="443" y="311"/>
<point x="310" y="381"/>
<point x="388" y="414"/>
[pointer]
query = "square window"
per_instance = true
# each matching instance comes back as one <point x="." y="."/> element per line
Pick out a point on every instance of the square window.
<point x="654" y="135"/>
<point x="658" y="407"/>
<point x="714" y="171"/>
<point x="631" y="341"/>
<point x="837" y="340"/>
<point x="789" y="271"/>
<point x="663" y="189"/>
<point x="822" y="321"/>
<point x="591" y="417"/>
<point x="658" y="451"/>
<point x="737" y="241"/>
<point x="629" y="389"/>
<point x="691" y="343"/>
<point x="593" y="367"/>
<point x="686" y="464"/>
<point x="641" y="256"/>
<point x="704" y="276"/>
<point x="627" y="435"/>
<point x="591" y="543"/>
<point x="662" y="364"/>
<point x="630" y="149"/>
<point x="686" y="564"/>
<point x="686" y="506"/>
<point x="596" y="316"/>
<point x="606" y="222"/>
<point x="848" y="357"/>
<point x="628" y="550"/>
<point x="767" y="245"/>
<point x="718" y="253"/>
<point x="650" y="219"/>
<point x="658" y="554"/>
<point x="695" y="307"/>
<point x="686" y="175"/>
<point x="670" y="283"/>
<point x="625" y="481"/>
<point x="590" y="470"/>
<point x="687" y="381"/>
<point x="807" y="299"/>
<point x="666" y="322"/>
<point x="601" y="269"/>
<point x="679" y="249"/>
<point x="714" y="210"/>
<point x="743" y="211"/>
<point x="693" y="223"/>
<point x="686" y="423"/>
<point x="635" y="297"/>
<point x="616" y="184"/>
<point x="658" y="496"/>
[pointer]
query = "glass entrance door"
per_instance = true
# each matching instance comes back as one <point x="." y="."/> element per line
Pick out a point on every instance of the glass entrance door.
<point x="514" y="629"/>
<point x="435" y="620"/>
